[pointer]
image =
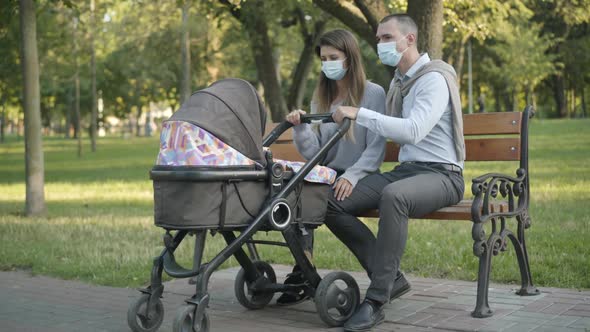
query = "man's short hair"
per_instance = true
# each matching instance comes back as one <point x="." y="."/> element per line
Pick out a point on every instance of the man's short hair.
<point x="405" y="23"/>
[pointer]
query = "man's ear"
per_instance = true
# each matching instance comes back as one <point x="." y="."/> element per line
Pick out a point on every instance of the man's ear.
<point x="411" y="38"/>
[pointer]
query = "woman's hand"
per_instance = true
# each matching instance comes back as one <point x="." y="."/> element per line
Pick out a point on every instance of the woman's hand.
<point x="342" y="189"/>
<point x="295" y="117"/>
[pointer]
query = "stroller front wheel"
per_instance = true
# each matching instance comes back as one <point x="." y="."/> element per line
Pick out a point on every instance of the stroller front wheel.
<point x="243" y="289"/>
<point x="143" y="316"/>
<point x="185" y="320"/>
<point x="337" y="298"/>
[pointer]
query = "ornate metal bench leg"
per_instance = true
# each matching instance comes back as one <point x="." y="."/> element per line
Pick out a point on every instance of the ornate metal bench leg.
<point x="482" y="307"/>
<point x="527" y="288"/>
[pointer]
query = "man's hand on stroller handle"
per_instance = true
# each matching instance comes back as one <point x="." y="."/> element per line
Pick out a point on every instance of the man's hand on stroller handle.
<point x="345" y="112"/>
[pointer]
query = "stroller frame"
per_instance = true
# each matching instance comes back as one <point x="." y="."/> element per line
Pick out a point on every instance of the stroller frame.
<point x="147" y="312"/>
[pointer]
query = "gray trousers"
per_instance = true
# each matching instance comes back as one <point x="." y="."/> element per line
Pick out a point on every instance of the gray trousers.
<point x="407" y="191"/>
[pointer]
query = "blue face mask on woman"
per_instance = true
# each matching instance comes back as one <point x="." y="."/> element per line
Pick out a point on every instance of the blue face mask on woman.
<point x="334" y="70"/>
<point x="388" y="53"/>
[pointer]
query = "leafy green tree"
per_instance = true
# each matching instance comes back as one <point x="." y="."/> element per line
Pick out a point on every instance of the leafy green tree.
<point x="254" y="17"/>
<point x="310" y="33"/>
<point x="473" y="20"/>
<point x="576" y="54"/>
<point x="144" y="64"/>
<point x="519" y="60"/>
<point x="568" y="21"/>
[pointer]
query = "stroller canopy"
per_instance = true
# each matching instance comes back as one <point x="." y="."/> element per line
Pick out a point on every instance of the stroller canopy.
<point x="231" y="110"/>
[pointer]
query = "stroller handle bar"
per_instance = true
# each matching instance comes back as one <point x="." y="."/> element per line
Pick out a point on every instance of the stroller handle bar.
<point x="317" y="118"/>
<point x="305" y="118"/>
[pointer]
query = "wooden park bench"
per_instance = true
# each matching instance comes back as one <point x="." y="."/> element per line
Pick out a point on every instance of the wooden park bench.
<point x="496" y="197"/>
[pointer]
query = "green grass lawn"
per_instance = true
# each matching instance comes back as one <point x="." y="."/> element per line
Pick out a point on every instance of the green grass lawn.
<point x="99" y="225"/>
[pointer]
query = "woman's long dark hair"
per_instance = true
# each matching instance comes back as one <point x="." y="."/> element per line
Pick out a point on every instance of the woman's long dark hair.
<point x="355" y="78"/>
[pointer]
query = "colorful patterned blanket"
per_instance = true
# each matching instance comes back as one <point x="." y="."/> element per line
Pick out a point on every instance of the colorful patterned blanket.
<point x="184" y="144"/>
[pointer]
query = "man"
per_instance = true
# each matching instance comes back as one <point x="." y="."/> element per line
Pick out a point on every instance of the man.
<point x="423" y="115"/>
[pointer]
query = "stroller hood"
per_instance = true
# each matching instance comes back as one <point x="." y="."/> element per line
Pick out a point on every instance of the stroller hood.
<point x="231" y="110"/>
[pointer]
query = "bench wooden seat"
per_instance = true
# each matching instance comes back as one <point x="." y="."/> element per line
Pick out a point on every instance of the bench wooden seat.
<point x="496" y="197"/>
<point x="460" y="211"/>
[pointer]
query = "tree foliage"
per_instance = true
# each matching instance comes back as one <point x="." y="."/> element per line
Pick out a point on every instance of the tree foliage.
<point x="523" y="49"/>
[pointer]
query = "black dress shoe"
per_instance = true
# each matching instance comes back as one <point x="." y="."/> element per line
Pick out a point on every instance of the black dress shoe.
<point x="400" y="287"/>
<point x="368" y="315"/>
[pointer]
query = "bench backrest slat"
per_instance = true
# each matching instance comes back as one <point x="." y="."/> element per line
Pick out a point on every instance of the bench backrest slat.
<point x="492" y="123"/>
<point x="477" y="148"/>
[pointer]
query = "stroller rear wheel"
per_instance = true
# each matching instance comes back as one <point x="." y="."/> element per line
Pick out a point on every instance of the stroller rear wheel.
<point x="336" y="298"/>
<point x="185" y="320"/>
<point x="140" y="318"/>
<point x="255" y="299"/>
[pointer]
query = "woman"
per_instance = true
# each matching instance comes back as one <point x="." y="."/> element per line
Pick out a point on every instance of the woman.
<point x="360" y="152"/>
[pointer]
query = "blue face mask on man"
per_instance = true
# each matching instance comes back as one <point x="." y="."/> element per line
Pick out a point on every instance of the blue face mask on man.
<point x="388" y="53"/>
<point x="334" y="70"/>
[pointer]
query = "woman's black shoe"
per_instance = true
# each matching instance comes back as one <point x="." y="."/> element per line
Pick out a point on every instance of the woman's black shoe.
<point x="293" y="297"/>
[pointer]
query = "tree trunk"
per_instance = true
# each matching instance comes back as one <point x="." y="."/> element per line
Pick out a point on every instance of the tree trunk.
<point x="78" y="119"/>
<point x="35" y="177"/>
<point x="534" y="100"/>
<point x="94" y="112"/>
<point x="507" y="101"/>
<point x="528" y="94"/>
<point x="299" y="81"/>
<point x="45" y="118"/>
<point x="138" y="106"/>
<point x="295" y="99"/>
<point x="572" y="111"/>
<point x="69" y="112"/>
<point x="255" y="24"/>
<point x="3" y="117"/>
<point x="212" y="52"/>
<point x="514" y="107"/>
<point x="2" y="123"/>
<point x="461" y="59"/>
<point x="352" y="19"/>
<point x="78" y="123"/>
<point x="428" y="15"/>
<point x="497" y="99"/>
<point x="373" y="11"/>
<point x="185" y="88"/>
<point x="583" y="102"/>
<point x="559" y="95"/>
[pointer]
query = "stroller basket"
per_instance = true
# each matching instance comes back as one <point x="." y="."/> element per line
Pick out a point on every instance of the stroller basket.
<point x="190" y="197"/>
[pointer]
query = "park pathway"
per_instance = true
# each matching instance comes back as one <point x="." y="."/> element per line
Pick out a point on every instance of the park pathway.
<point x="37" y="303"/>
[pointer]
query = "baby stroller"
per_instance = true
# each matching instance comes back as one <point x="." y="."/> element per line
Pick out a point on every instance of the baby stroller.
<point x="214" y="173"/>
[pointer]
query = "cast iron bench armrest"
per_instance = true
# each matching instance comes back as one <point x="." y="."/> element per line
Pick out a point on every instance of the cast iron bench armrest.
<point x="496" y="186"/>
